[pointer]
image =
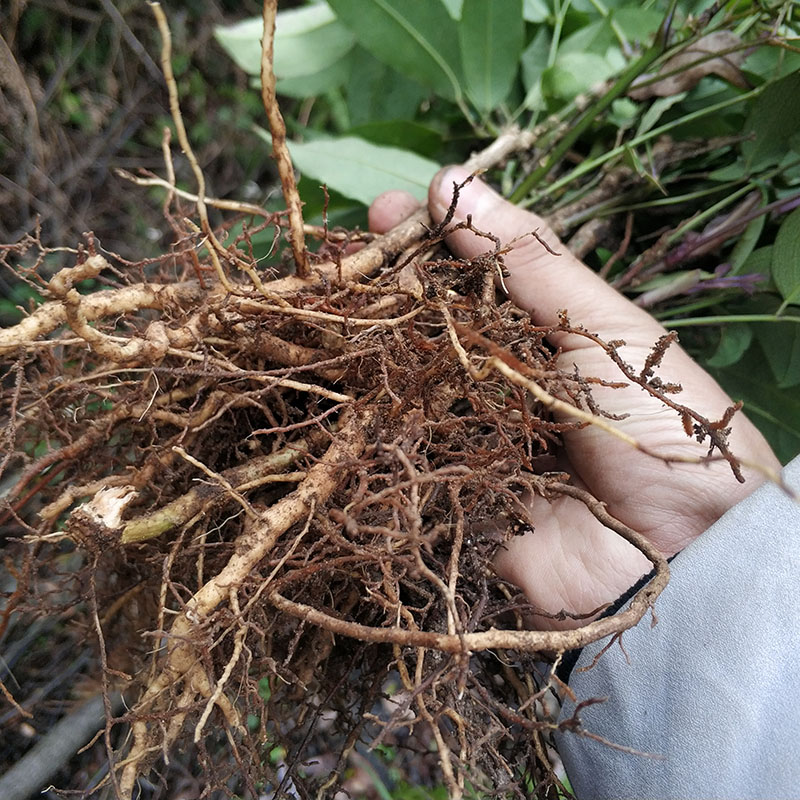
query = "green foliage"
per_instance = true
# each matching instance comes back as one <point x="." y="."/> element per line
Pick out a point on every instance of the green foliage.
<point x="362" y="170"/>
<point x="396" y="89"/>
<point x="734" y="341"/>
<point x="775" y="410"/>
<point x="780" y="342"/>
<point x="490" y="39"/>
<point x="310" y="49"/>
<point x="773" y="121"/>
<point x="786" y="258"/>
<point x="419" y="40"/>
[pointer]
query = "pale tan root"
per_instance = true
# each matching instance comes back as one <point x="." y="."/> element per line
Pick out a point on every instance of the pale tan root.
<point x="181" y="662"/>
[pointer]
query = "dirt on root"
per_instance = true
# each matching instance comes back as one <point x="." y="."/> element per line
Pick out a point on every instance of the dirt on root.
<point x="202" y="445"/>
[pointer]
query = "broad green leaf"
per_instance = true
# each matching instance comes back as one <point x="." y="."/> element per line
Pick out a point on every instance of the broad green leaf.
<point x="760" y="260"/>
<point x="361" y="170"/>
<point x="453" y="7"/>
<point x="316" y="84"/>
<point x="574" y="73"/>
<point x="776" y="412"/>
<point x="637" y="23"/>
<point x="534" y="60"/>
<point x="400" y="133"/>
<point x="308" y="40"/>
<point x="730" y="172"/>
<point x="418" y="39"/>
<point x="767" y="62"/>
<point x="773" y="118"/>
<point x="597" y="38"/>
<point x="786" y="257"/>
<point x="490" y="35"/>
<point x="781" y="344"/>
<point x="340" y="116"/>
<point x="377" y="92"/>
<point x="534" y="10"/>
<point x="734" y="341"/>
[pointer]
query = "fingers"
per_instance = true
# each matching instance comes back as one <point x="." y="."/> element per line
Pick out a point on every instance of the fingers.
<point x="540" y="282"/>
<point x="390" y="209"/>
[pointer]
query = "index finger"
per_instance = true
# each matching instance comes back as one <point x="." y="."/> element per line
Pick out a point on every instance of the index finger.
<point x="539" y="282"/>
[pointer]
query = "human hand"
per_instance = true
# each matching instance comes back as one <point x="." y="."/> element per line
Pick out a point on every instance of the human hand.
<point x="571" y="561"/>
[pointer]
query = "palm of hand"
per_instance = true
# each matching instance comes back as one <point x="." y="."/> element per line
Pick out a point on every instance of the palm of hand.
<point x="571" y="561"/>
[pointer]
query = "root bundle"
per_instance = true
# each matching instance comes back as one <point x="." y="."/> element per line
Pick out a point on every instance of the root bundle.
<point x="285" y="492"/>
<point x="302" y="488"/>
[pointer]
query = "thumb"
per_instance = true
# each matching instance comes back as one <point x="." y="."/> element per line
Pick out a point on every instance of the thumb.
<point x="539" y="282"/>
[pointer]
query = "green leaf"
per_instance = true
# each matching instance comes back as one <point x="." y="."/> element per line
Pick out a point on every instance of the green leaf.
<point x="781" y="344"/>
<point x="400" y="133"/>
<point x="574" y="73"/>
<point x="776" y="412"/>
<point x="638" y="23"/>
<point x="773" y="118"/>
<point x="734" y="341"/>
<point x="418" y="39"/>
<point x="453" y="7"/>
<point x="596" y="37"/>
<point x="377" y="92"/>
<point x="491" y="39"/>
<point x="623" y="112"/>
<point x="308" y="40"/>
<point x="313" y="85"/>
<point x="534" y="62"/>
<point x="770" y="62"/>
<point x="759" y="260"/>
<point x="362" y="170"/>
<point x="744" y="248"/>
<point x="730" y="172"/>
<point x="534" y="10"/>
<point x="786" y="257"/>
<point x="657" y="108"/>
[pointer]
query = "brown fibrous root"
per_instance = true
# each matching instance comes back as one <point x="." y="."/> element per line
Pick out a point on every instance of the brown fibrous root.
<point x="285" y="493"/>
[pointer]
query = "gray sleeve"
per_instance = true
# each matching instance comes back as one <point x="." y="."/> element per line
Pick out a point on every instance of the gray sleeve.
<point x="712" y="691"/>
